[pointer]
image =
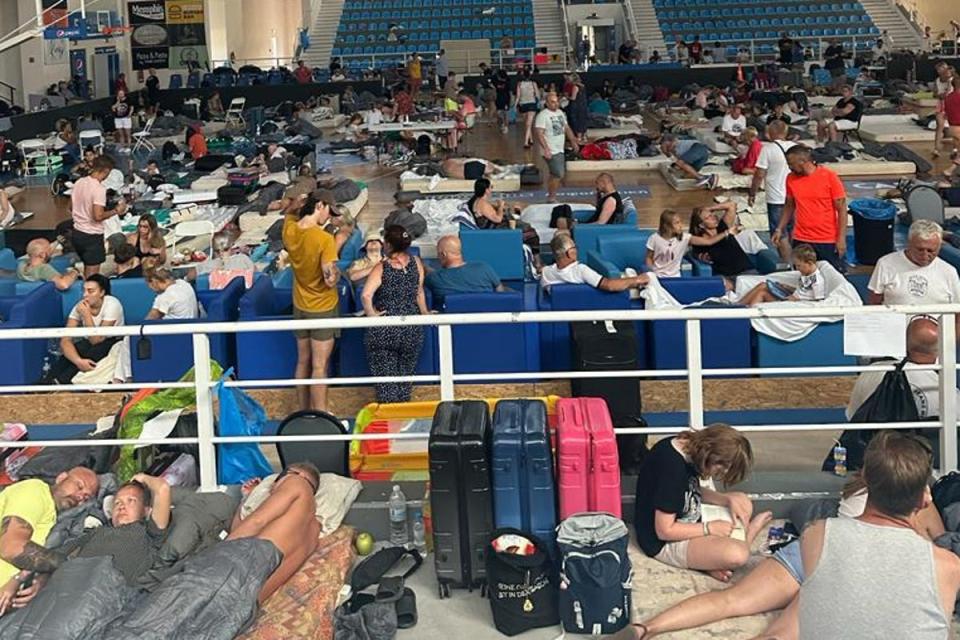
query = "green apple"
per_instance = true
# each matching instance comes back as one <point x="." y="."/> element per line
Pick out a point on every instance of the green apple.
<point x="364" y="543"/>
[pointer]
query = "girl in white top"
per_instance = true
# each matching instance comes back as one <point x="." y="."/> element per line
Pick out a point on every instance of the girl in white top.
<point x="811" y="288"/>
<point x="527" y="95"/>
<point x="666" y="247"/>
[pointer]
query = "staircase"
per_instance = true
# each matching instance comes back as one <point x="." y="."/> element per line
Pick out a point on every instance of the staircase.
<point x="887" y="17"/>
<point x="648" y="34"/>
<point x="548" y="16"/>
<point x="323" y="31"/>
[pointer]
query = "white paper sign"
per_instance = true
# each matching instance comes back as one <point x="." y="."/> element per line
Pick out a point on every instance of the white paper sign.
<point x="875" y="335"/>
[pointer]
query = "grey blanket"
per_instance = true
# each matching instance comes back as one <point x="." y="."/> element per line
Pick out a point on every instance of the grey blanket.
<point x="212" y="597"/>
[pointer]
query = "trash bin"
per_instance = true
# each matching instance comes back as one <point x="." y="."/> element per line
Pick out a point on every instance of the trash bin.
<point x="873" y="222"/>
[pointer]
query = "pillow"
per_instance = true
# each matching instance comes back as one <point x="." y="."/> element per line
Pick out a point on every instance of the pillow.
<point x="334" y="497"/>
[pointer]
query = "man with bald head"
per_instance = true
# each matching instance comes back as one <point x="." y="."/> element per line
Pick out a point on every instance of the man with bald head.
<point x="923" y="347"/>
<point x="28" y="511"/>
<point x="37" y="268"/>
<point x="458" y="276"/>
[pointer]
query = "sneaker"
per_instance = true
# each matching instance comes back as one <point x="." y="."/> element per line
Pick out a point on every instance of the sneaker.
<point x="713" y="181"/>
<point x="703" y="181"/>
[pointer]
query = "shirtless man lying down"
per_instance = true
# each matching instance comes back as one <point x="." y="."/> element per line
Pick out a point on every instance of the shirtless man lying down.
<point x="287" y="519"/>
<point x="469" y="168"/>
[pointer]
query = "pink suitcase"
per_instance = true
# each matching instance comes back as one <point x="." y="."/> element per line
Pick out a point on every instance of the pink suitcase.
<point x="587" y="461"/>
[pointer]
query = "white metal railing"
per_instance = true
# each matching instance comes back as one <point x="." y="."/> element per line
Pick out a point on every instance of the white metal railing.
<point x="447" y="377"/>
<point x="631" y="19"/>
<point x="815" y="45"/>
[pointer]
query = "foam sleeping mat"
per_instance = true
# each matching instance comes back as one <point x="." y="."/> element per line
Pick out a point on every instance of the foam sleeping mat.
<point x="451" y="185"/>
<point x="894" y="128"/>
<point x="650" y="163"/>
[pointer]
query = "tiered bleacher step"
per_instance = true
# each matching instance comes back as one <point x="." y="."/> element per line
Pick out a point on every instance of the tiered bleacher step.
<point x="738" y="23"/>
<point x="364" y="26"/>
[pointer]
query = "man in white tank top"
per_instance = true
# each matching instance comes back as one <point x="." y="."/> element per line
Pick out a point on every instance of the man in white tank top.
<point x="874" y="576"/>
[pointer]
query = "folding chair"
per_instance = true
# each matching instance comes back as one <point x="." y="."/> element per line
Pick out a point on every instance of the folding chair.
<point x="92" y="138"/>
<point x="193" y="229"/>
<point x="855" y="131"/>
<point x="328" y="457"/>
<point x="143" y="137"/>
<point x="234" y="113"/>
<point x="34" y="154"/>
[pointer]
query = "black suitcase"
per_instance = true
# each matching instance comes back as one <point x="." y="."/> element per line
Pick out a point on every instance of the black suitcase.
<point x="611" y="346"/>
<point x="460" y="496"/>
<point x="230" y="194"/>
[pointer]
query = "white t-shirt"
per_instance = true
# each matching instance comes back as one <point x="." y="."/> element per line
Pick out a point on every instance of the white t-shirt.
<point x="574" y="273"/>
<point x="811" y="287"/>
<point x="900" y="281"/>
<point x="733" y="126"/>
<point x="110" y="311"/>
<point x="373" y="117"/>
<point x="554" y="125"/>
<point x="924" y="384"/>
<point x="526" y="92"/>
<point x="668" y="254"/>
<point x="774" y="162"/>
<point x="178" y="302"/>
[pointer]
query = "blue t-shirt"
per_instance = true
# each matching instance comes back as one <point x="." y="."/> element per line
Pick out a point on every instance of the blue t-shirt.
<point x="472" y="277"/>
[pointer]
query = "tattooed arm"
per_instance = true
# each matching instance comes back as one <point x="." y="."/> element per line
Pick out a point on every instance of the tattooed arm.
<point x="17" y="548"/>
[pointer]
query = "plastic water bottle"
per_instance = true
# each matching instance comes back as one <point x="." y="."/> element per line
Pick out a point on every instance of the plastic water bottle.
<point x="840" y="460"/>
<point x="419" y="532"/>
<point x="398" y="517"/>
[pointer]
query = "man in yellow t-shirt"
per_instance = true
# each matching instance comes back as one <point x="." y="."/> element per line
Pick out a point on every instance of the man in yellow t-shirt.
<point x="312" y="253"/>
<point x="28" y="511"/>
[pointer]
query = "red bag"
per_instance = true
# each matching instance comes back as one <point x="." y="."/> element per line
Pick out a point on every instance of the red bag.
<point x="593" y="151"/>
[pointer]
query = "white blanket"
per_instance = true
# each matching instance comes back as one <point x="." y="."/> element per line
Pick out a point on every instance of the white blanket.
<point x="438" y="213"/>
<point x="333" y="499"/>
<point x="840" y="293"/>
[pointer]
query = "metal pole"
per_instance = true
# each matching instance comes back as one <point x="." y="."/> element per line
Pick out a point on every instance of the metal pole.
<point x="694" y="374"/>
<point x="445" y="337"/>
<point x="39" y="14"/>
<point x="205" y="431"/>
<point x="948" y="393"/>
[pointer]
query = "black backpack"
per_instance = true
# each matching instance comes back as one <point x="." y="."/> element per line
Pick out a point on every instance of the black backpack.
<point x="168" y="150"/>
<point x="891" y="401"/>
<point x="946" y="491"/>
<point x="523" y="590"/>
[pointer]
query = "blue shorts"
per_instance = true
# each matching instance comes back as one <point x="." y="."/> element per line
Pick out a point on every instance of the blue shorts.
<point x="774" y="211"/>
<point x="696" y="156"/>
<point x="789" y="557"/>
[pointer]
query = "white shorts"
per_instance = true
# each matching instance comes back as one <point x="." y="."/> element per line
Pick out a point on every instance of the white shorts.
<point x="843" y="125"/>
<point x="123" y="123"/>
<point x="674" y="554"/>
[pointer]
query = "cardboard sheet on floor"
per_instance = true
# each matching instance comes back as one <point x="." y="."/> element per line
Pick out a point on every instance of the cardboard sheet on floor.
<point x="677" y="180"/>
<point x="650" y="163"/>
<point x="452" y="185"/>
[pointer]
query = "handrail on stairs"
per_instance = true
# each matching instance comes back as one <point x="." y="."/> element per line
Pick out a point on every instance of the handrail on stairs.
<point x="12" y="89"/>
<point x="631" y="20"/>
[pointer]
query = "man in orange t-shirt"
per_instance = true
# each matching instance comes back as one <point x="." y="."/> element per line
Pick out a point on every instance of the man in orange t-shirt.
<point x="818" y="202"/>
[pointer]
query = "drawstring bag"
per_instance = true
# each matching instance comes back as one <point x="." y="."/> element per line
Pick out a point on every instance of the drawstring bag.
<point x="522" y="589"/>
<point x="891" y="401"/>
<point x="240" y="415"/>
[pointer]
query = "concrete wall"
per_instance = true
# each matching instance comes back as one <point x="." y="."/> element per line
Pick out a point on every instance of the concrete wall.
<point x="252" y="24"/>
<point x="10" y="72"/>
<point x="938" y="14"/>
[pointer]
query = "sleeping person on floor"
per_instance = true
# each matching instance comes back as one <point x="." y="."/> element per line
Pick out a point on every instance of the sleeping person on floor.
<point x="216" y="589"/>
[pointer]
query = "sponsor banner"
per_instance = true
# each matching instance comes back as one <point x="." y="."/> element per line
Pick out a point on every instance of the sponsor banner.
<point x="150" y="58"/>
<point x="183" y="57"/>
<point x="187" y="35"/>
<point x="149" y="35"/>
<point x="184" y="11"/>
<point x="146" y="12"/>
<point x="77" y="32"/>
